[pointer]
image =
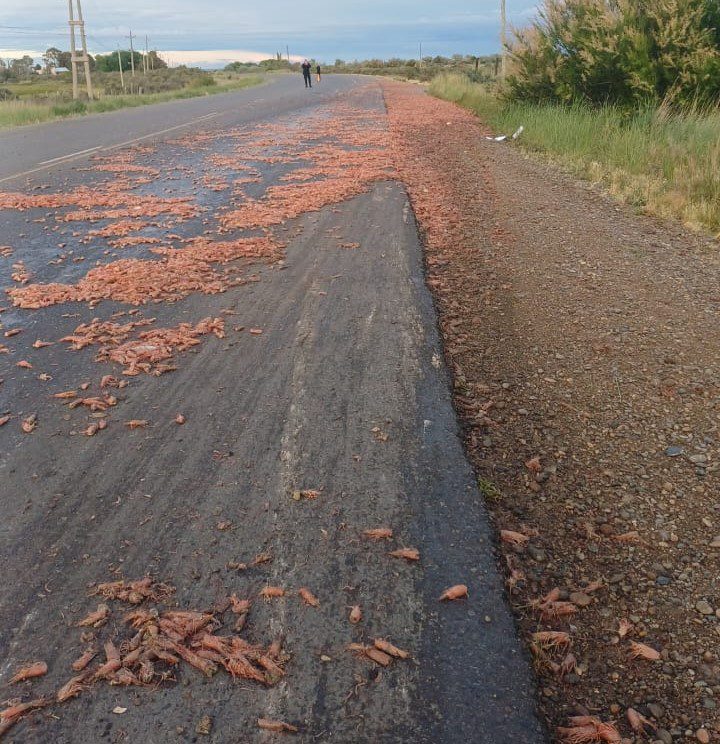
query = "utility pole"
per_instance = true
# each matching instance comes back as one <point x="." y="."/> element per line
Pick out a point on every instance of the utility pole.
<point x="287" y="50"/>
<point x="122" y="81"/>
<point x="147" y="56"/>
<point x="503" y="39"/>
<point x="421" y="54"/>
<point x="75" y="58"/>
<point x="132" y="54"/>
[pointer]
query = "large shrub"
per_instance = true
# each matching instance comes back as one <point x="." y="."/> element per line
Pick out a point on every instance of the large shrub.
<point x="625" y="52"/>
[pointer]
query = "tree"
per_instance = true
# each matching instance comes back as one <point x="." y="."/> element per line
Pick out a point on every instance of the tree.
<point x="51" y="58"/>
<point x="109" y="62"/>
<point x="22" y="67"/>
<point x="64" y="59"/>
<point x="156" y="63"/>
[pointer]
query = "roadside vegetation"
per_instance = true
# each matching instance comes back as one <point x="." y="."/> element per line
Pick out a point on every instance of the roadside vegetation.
<point x="643" y="121"/>
<point x="478" y="69"/>
<point x="30" y="97"/>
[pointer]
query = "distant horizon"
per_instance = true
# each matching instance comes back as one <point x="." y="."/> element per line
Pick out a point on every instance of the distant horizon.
<point x="210" y="59"/>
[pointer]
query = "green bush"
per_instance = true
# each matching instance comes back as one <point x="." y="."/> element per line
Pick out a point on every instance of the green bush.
<point x="624" y="52"/>
<point x="69" y="109"/>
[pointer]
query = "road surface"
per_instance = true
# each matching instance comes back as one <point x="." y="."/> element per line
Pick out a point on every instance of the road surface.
<point x="344" y="392"/>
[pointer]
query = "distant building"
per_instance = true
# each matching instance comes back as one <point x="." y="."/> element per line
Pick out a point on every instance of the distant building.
<point x="51" y="70"/>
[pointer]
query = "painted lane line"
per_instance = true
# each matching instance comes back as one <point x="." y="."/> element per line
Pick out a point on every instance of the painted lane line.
<point x="70" y="155"/>
<point x="63" y="159"/>
<point x="159" y="132"/>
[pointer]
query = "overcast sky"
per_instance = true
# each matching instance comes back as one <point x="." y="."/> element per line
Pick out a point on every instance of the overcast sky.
<point x="349" y="29"/>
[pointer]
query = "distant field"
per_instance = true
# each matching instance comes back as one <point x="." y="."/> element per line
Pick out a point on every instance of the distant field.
<point x="666" y="163"/>
<point x="42" y="99"/>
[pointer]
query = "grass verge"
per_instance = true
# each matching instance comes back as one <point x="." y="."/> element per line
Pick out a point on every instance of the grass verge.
<point x="666" y="163"/>
<point x="19" y="112"/>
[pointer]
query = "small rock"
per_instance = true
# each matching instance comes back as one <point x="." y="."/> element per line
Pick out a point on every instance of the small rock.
<point x="715" y="542"/>
<point x="698" y="459"/>
<point x="704" y="607"/>
<point x="674" y="451"/>
<point x="580" y="599"/>
<point x="664" y="736"/>
<point x="655" y="710"/>
<point x="537" y="554"/>
<point x="702" y="736"/>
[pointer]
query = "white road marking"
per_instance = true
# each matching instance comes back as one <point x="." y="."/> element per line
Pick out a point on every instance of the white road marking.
<point x="71" y="155"/>
<point x="62" y="159"/>
<point x="160" y="131"/>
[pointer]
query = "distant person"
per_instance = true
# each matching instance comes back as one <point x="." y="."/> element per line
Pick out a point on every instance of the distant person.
<point x="317" y="70"/>
<point x="306" y="67"/>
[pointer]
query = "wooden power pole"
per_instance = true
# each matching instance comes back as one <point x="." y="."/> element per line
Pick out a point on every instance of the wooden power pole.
<point x="132" y="55"/>
<point x="122" y="80"/>
<point x="75" y="58"/>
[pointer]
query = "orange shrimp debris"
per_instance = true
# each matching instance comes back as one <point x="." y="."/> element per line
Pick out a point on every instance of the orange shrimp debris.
<point x="459" y="591"/>
<point x="642" y="651"/>
<point x="278" y="727"/>
<point x="587" y="730"/>
<point x="180" y="419"/>
<point x="96" y="619"/>
<point x="135" y="592"/>
<point x="355" y="614"/>
<point x="36" y="669"/>
<point x="136" y="424"/>
<point x="552" y="638"/>
<point x="14" y="713"/>
<point x="632" y="538"/>
<point x="389" y="649"/>
<point x="378" y="533"/>
<point x="66" y="395"/>
<point x="409" y="554"/>
<point x="309" y="494"/>
<point x="270" y="592"/>
<point x="308" y="597"/>
<point x="378" y="656"/>
<point x="81" y="662"/>
<point x="514" y="538"/>
<point x="637" y="721"/>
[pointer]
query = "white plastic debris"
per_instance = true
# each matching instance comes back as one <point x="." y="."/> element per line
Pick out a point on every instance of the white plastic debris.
<point x="504" y="137"/>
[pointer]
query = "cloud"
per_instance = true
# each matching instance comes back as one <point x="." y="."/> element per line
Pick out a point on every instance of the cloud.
<point x="348" y="29"/>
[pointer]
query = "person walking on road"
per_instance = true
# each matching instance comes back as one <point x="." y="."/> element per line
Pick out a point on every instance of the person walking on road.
<point x="318" y="73"/>
<point x="306" y="67"/>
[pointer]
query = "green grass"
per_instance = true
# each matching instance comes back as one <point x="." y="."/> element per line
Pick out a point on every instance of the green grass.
<point x="21" y="111"/>
<point x="666" y="163"/>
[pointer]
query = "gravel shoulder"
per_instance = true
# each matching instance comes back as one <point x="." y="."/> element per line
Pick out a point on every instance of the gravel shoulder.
<point x="586" y="370"/>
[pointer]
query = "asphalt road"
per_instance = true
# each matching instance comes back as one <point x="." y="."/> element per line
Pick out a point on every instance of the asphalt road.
<point x="349" y="345"/>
